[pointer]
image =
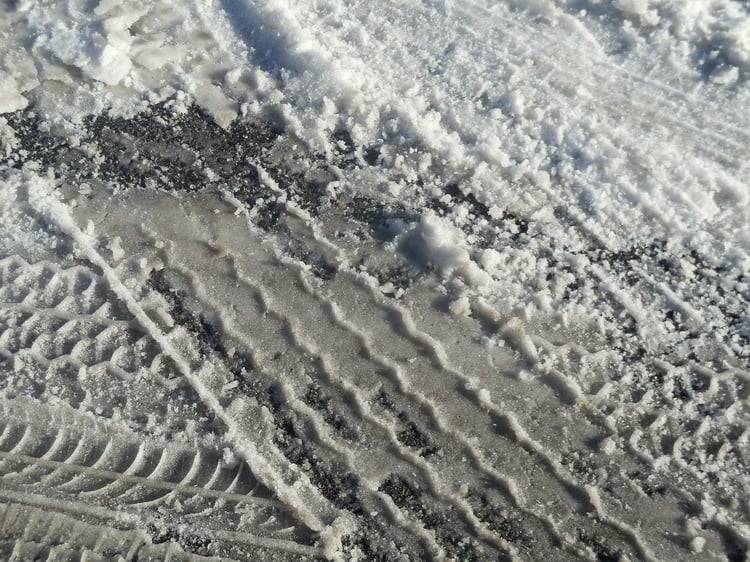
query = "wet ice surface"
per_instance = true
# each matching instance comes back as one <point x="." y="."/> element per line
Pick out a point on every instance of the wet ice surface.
<point x="408" y="280"/>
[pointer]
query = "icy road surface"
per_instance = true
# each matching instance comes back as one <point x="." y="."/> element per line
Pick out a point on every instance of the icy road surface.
<point x="375" y="280"/>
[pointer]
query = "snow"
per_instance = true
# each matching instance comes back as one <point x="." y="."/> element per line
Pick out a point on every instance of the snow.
<point x="10" y="96"/>
<point x="567" y="178"/>
<point x="440" y="244"/>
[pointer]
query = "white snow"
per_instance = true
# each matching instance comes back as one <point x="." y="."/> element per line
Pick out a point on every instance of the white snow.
<point x="11" y="98"/>
<point x="436" y="240"/>
<point x="697" y="544"/>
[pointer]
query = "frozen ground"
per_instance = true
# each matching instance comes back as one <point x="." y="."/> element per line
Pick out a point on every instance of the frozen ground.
<point x="409" y="280"/>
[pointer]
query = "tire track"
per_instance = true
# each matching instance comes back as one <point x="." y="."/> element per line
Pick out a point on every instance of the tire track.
<point x="149" y="481"/>
<point x="32" y="440"/>
<point x="235" y="334"/>
<point x="511" y="423"/>
<point x="520" y="436"/>
<point x="559" y="375"/>
<point x="402" y="386"/>
<point x="196" y="255"/>
<point x="628" y="532"/>
<point x="508" y="421"/>
<point x="340" y="382"/>
<point x="110" y="541"/>
<point x="221" y="249"/>
<point x="92" y="479"/>
<point x="665" y="458"/>
<point x="30" y="419"/>
<point x="55" y="212"/>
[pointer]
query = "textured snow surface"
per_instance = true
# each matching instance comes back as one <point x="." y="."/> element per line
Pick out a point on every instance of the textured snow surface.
<point x="375" y="280"/>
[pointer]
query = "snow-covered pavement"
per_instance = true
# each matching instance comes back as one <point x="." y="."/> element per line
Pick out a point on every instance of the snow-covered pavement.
<point x="385" y="280"/>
